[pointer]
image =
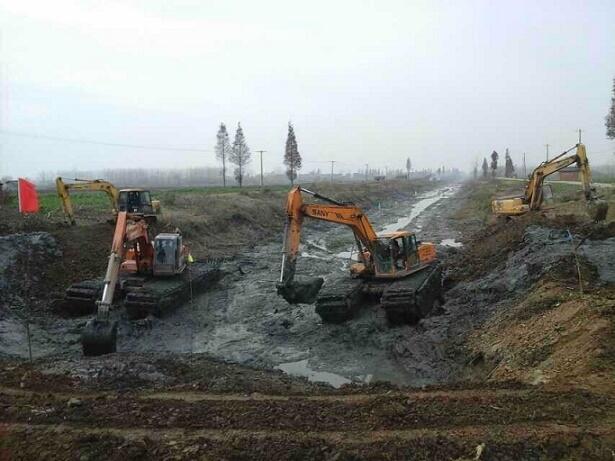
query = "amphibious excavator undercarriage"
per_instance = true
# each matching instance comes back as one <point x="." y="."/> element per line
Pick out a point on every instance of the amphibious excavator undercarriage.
<point x="400" y="273"/>
<point x="147" y="276"/>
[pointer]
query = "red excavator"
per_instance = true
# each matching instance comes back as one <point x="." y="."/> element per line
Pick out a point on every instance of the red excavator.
<point x="400" y="272"/>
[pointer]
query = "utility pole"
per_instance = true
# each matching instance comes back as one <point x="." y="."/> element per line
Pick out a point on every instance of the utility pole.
<point x="524" y="169"/>
<point x="366" y="171"/>
<point x="332" y="163"/>
<point x="547" y="146"/>
<point x="261" y="152"/>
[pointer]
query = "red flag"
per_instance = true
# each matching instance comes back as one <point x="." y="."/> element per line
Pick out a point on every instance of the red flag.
<point x="28" y="197"/>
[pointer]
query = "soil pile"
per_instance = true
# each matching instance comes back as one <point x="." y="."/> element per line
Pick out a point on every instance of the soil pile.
<point x="24" y="259"/>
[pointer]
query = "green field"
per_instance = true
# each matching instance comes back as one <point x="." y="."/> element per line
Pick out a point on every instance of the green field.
<point x="49" y="201"/>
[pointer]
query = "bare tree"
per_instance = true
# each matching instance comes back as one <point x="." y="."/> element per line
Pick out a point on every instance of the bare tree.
<point x="610" y="118"/>
<point x="292" y="157"/>
<point x="240" y="154"/>
<point x="223" y="149"/>
<point x="408" y="166"/>
<point x="485" y="167"/>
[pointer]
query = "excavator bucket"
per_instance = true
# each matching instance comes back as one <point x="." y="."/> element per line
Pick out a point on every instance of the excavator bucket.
<point x="300" y="290"/>
<point x="99" y="337"/>
<point x="597" y="209"/>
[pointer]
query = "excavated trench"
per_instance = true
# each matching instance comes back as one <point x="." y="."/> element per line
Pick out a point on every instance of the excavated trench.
<point x="243" y="320"/>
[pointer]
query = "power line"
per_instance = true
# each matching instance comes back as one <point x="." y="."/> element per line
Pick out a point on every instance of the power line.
<point x="100" y="143"/>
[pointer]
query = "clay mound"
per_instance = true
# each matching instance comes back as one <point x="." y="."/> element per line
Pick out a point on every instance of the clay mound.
<point x="24" y="258"/>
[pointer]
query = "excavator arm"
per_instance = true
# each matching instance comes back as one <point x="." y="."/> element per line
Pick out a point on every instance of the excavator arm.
<point x="113" y="267"/>
<point x="533" y="197"/>
<point x="334" y="211"/>
<point x="84" y="185"/>
<point x="100" y="334"/>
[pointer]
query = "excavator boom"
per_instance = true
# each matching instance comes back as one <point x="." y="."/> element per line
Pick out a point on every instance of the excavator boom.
<point x="99" y="335"/>
<point x="336" y="212"/>
<point x="100" y="185"/>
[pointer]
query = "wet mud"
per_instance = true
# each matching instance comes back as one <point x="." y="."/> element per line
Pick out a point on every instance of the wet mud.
<point x="241" y="319"/>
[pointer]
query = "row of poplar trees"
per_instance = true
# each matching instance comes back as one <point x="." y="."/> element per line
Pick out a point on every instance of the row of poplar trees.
<point x="238" y="153"/>
<point x="509" y="167"/>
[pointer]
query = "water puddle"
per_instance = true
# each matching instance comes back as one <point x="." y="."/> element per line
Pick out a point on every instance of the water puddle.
<point x="301" y="368"/>
<point x="417" y="209"/>
<point x="451" y="243"/>
<point x="351" y="255"/>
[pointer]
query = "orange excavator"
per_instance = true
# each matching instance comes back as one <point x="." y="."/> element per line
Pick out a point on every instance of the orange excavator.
<point x="400" y="272"/>
<point x="148" y="276"/>
<point x="132" y="253"/>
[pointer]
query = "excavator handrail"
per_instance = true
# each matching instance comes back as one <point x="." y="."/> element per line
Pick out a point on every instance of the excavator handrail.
<point x="98" y="185"/>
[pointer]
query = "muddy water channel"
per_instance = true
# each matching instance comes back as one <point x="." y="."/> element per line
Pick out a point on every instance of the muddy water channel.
<point x="243" y="320"/>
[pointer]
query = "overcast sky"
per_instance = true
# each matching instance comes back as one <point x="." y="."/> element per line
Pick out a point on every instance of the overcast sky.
<point x="444" y="82"/>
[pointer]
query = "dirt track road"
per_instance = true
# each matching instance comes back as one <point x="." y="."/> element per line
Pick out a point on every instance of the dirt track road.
<point x="518" y="423"/>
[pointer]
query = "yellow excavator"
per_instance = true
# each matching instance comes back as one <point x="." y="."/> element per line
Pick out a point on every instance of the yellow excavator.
<point x="534" y="194"/>
<point x="135" y="201"/>
<point x="401" y="273"/>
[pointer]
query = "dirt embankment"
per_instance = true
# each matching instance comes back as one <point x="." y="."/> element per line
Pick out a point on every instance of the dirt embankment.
<point x="223" y="225"/>
<point x="551" y="291"/>
<point x="215" y="225"/>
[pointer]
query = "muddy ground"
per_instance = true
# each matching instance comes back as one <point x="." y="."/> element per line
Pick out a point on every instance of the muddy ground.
<point x="518" y="363"/>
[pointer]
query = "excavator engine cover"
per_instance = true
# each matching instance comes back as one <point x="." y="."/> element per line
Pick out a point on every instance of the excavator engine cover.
<point x="99" y="337"/>
<point x="301" y="290"/>
<point x="597" y="209"/>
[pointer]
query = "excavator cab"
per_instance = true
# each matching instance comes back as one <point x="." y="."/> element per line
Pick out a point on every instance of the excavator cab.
<point x="169" y="256"/>
<point x="135" y="201"/>
<point x="399" y="253"/>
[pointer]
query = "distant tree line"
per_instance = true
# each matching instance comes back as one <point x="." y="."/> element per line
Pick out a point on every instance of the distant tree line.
<point x="238" y="153"/>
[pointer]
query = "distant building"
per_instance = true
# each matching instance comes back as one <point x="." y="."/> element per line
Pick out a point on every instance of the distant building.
<point x="569" y="174"/>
